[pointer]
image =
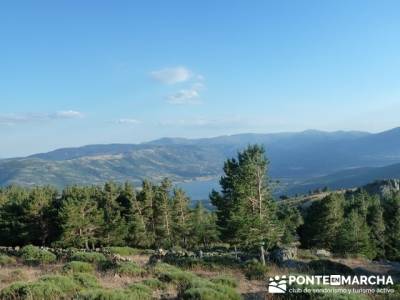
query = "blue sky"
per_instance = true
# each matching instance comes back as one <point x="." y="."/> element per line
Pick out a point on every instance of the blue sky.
<point x="83" y="72"/>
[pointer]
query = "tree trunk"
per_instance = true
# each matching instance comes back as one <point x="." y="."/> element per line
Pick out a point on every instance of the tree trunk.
<point x="262" y="255"/>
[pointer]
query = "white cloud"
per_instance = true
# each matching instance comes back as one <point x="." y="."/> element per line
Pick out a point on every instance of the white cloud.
<point x="171" y="75"/>
<point x="13" y="119"/>
<point x="66" y="114"/>
<point x="187" y="96"/>
<point x="127" y="121"/>
<point x="190" y="96"/>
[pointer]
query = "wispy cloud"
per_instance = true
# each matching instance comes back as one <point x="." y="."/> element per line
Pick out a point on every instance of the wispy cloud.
<point x="66" y="114"/>
<point x="128" y="121"/>
<point x="227" y="121"/>
<point x="192" y="84"/>
<point x="186" y="96"/>
<point x="171" y="75"/>
<point x="13" y="119"/>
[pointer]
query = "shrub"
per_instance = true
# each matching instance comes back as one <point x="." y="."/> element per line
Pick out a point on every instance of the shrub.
<point x="86" y="280"/>
<point x="255" y="270"/>
<point x="225" y="280"/>
<point x="124" y="251"/>
<point x="32" y="255"/>
<point x="327" y="267"/>
<point x="30" y="291"/>
<point x="129" y="269"/>
<point x="7" y="260"/>
<point x="306" y="254"/>
<point x="90" y="257"/>
<point x="141" y="291"/>
<point x="211" y="293"/>
<point x="64" y="283"/>
<point x="171" y="274"/>
<point x="154" y="284"/>
<point x="114" y="294"/>
<point x="13" y="276"/>
<point x="78" y="267"/>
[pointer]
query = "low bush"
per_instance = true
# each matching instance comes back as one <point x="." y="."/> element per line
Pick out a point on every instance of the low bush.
<point x="202" y="289"/>
<point x="225" y="280"/>
<point x="6" y="260"/>
<point x="114" y="294"/>
<point x="64" y="283"/>
<point x="171" y="274"/>
<point x="90" y="257"/>
<point x="190" y="286"/>
<point x="140" y="290"/>
<point x="154" y="284"/>
<point x="13" y="276"/>
<point x="32" y="255"/>
<point x="327" y="267"/>
<point x="31" y="291"/>
<point x="255" y="270"/>
<point x="78" y="267"/>
<point x="129" y="269"/>
<point x="124" y="251"/>
<point x="306" y="254"/>
<point x="206" y="293"/>
<point x="86" y="280"/>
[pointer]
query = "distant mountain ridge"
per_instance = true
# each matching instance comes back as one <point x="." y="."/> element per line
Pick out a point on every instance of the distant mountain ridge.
<point x="295" y="158"/>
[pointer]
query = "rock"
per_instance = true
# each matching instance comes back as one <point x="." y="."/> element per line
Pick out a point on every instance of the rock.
<point x="280" y="255"/>
<point x="383" y="187"/>
<point x="323" y="253"/>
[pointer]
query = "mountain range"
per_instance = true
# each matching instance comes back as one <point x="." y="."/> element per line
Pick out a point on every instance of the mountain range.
<point x="300" y="160"/>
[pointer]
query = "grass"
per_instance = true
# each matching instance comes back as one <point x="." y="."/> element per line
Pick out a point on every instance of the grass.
<point x="78" y="267"/>
<point x="36" y="290"/>
<point x="85" y="280"/>
<point x="129" y="269"/>
<point x="114" y="294"/>
<point x="192" y="286"/>
<point x="254" y="270"/>
<point x="154" y="284"/>
<point x="7" y="260"/>
<point x="327" y="267"/>
<point x="32" y="255"/>
<point x="225" y="280"/>
<point x="90" y="257"/>
<point x="124" y="251"/>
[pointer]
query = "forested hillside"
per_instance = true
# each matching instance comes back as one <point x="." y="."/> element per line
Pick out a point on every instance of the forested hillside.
<point x="245" y="216"/>
<point x="300" y="161"/>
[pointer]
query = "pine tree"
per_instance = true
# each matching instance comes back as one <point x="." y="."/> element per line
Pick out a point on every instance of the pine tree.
<point x="80" y="218"/>
<point x="146" y="200"/>
<point x="353" y="237"/>
<point x="162" y="214"/>
<point x="289" y="219"/>
<point x="39" y="214"/>
<point x="245" y="207"/>
<point x="115" y="228"/>
<point x="392" y="217"/>
<point x="377" y="227"/>
<point x="202" y="227"/>
<point x="180" y="217"/>
<point x="322" y="222"/>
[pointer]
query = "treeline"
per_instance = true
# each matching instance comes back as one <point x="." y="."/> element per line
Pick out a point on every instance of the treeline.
<point x="157" y="215"/>
<point x="354" y="223"/>
<point x="112" y="215"/>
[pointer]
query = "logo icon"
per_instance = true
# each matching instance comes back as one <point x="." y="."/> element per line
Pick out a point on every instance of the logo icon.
<point x="335" y="280"/>
<point x="277" y="285"/>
